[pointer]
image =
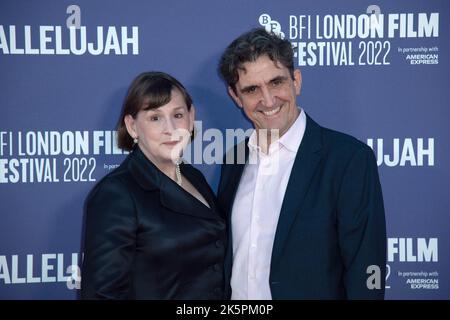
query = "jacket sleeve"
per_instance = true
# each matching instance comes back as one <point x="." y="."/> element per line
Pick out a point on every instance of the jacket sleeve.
<point x="110" y="239"/>
<point x="362" y="228"/>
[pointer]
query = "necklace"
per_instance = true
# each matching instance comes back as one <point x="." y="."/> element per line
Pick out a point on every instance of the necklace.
<point x="178" y="172"/>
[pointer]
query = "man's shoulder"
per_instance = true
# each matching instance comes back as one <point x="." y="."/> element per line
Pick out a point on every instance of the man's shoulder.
<point x="334" y="137"/>
<point x="342" y="142"/>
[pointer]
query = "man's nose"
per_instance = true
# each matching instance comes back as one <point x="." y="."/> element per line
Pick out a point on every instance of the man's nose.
<point x="268" y="99"/>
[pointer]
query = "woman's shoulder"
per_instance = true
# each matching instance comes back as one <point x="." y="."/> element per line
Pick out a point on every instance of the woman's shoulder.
<point x="115" y="183"/>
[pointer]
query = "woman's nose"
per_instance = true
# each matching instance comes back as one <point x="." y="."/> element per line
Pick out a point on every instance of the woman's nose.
<point x="169" y="125"/>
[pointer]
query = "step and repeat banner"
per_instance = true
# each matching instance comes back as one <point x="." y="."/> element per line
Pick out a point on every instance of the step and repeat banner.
<point x="376" y="70"/>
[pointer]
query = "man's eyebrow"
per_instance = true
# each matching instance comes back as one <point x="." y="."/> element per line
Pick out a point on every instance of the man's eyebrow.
<point x="278" y="78"/>
<point x="246" y="88"/>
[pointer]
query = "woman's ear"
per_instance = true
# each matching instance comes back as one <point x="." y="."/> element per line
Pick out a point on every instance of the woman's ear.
<point x="191" y="118"/>
<point x="130" y="123"/>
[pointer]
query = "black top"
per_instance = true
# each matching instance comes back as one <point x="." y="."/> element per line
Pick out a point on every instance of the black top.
<point x="147" y="238"/>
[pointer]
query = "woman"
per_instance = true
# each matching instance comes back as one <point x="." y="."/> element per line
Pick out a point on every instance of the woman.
<point x="153" y="230"/>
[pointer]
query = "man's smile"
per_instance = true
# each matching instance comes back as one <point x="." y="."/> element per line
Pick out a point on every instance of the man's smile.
<point x="272" y="112"/>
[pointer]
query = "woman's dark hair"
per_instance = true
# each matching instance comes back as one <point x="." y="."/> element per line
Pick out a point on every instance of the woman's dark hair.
<point x="149" y="90"/>
<point x="249" y="47"/>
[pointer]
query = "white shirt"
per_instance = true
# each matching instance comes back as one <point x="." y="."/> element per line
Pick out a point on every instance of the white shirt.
<point x="256" y="210"/>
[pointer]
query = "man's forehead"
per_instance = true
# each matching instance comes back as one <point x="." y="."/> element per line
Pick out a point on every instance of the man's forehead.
<point x="257" y="69"/>
<point x="260" y="62"/>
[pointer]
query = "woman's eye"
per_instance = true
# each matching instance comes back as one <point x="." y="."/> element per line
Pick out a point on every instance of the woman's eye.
<point x="154" y="118"/>
<point x="179" y="115"/>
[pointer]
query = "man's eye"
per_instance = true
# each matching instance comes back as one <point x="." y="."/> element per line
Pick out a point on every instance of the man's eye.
<point x="277" y="82"/>
<point x="250" y="90"/>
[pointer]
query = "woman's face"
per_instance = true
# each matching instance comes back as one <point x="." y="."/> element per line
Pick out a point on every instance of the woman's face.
<point x="163" y="132"/>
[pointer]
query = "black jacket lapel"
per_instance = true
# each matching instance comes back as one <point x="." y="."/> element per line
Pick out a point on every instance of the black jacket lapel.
<point x="306" y="161"/>
<point x="178" y="200"/>
<point x="143" y="171"/>
<point x="199" y="182"/>
<point x="172" y="196"/>
<point x="231" y="175"/>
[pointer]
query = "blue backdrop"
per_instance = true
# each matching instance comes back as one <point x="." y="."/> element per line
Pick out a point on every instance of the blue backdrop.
<point x="379" y="72"/>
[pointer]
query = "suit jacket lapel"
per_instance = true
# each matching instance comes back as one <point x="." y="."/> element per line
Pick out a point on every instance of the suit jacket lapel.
<point x="172" y="196"/>
<point x="231" y="177"/>
<point x="143" y="171"/>
<point x="305" y="164"/>
<point x="229" y="182"/>
<point x="178" y="200"/>
<point x="200" y="184"/>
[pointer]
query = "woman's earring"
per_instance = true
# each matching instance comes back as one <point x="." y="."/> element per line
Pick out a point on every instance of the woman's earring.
<point x="135" y="140"/>
<point x="193" y="133"/>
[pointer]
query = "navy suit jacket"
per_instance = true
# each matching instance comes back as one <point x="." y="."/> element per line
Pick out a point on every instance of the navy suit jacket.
<point x="147" y="238"/>
<point x="331" y="226"/>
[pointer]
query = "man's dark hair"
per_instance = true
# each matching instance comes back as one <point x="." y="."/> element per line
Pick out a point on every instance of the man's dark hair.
<point x="249" y="47"/>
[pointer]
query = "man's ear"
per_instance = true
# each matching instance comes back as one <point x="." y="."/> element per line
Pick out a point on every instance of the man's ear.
<point x="297" y="81"/>
<point x="235" y="97"/>
<point x="130" y="123"/>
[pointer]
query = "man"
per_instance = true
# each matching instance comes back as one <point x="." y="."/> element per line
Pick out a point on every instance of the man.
<point x="305" y="207"/>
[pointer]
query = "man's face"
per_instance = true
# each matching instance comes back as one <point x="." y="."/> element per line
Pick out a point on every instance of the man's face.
<point x="267" y="93"/>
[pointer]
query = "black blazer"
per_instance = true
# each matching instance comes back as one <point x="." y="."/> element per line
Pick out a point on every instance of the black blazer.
<point x="147" y="238"/>
<point x="331" y="227"/>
